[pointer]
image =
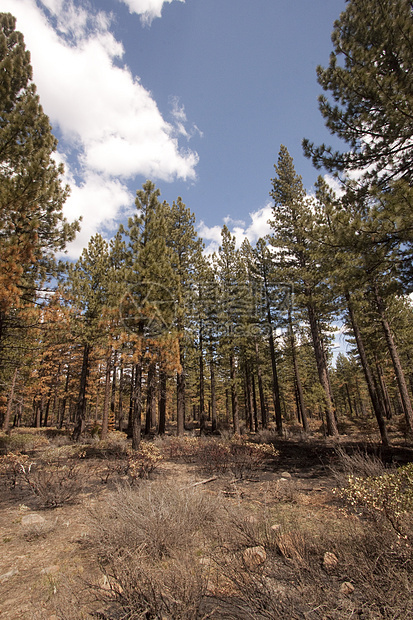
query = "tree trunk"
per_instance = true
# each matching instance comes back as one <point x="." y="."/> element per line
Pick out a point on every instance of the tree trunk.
<point x="6" y="421"/>
<point x="106" y="403"/>
<point x="201" y="383"/>
<point x="264" y="417"/>
<point x="162" y="402"/>
<point x="254" y="403"/>
<point x="234" y="396"/>
<point x="275" y="384"/>
<point x="322" y="369"/>
<point x="112" y="417"/>
<point x="80" y="413"/>
<point x="120" y="398"/>
<point x="62" y="408"/>
<point x="150" y="398"/>
<point x="180" y="395"/>
<point x="298" y="384"/>
<point x="213" y="395"/>
<point x="368" y="374"/>
<point x="401" y="381"/>
<point x="137" y="408"/>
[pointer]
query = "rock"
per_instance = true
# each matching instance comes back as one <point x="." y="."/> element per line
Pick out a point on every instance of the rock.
<point x="286" y="474"/>
<point x="254" y="556"/>
<point x="10" y="573"/>
<point x="346" y="588"/>
<point x="330" y="560"/>
<point x="276" y="527"/>
<point x="32" y="519"/>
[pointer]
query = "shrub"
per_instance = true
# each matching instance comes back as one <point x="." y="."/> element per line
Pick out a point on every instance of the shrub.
<point x="143" y="462"/>
<point x="389" y="495"/>
<point x="52" y="482"/>
<point x="247" y="456"/>
<point x="147" y="540"/>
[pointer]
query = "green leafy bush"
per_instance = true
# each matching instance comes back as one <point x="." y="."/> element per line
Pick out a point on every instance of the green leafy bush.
<point x="389" y="495"/>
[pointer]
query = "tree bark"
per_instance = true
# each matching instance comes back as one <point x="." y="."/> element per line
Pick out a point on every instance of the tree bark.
<point x="180" y="394"/>
<point x="322" y="369"/>
<point x="264" y="417"/>
<point x="162" y="402"/>
<point x="150" y="398"/>
<point x="214" y="421"/>
<point x="374" y="397"/>
<point x="80" y="413"/>
<point x="106" y="403"/>
<point x="300" y="393"/>
<point x="401" y="381"/>
<point x="234" y="395"/>
<point x="6" y="421"/>
<point x="137" y="408"/>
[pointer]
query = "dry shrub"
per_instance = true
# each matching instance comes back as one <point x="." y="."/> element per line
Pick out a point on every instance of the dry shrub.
<point x="52" y="482"/>
<point x="148" y="542"/>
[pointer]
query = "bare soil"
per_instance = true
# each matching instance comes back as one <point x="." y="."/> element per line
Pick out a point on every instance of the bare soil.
<point x="39" y="561"/>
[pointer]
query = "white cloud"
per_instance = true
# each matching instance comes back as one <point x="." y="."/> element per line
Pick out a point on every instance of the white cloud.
<point x="147" y="9"/>
<point x="258" y="227"/>
<point x="109" y="122"/>
<point x="100" y="202"/>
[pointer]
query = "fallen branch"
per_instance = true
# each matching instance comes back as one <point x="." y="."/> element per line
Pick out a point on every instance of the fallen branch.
<point x="195" y="484"/>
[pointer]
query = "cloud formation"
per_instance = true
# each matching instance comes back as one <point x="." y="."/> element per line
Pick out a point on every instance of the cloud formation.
<point x="147" y="9"/>
<point x="111" y="129"/>
<point x="258" y="227"/>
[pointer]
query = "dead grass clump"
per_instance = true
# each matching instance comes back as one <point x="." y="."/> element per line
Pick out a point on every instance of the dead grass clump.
<point x="355" y="463"/>
<point x="148" y="541"/>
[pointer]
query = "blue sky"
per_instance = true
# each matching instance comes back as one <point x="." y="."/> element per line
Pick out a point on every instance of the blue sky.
<point x="196" y="95"/>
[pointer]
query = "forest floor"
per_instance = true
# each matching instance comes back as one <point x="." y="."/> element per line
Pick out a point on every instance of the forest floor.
<point x="49" y="566"/>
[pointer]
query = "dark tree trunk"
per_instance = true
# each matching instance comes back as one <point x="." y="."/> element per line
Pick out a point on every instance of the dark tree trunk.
<point x="150" y="399"/>
<point x="6" y="421"/>
<point x="137" y="408"/>
<point x="213" y="395"/>
<point x="120" y="398"/>
<point x="367" y="373"/>
<point x="106" y="403"/>
<point x="62" y="408"/>
<point x="264" y="416"/>
<point x="322" y="369"/>
<point x="80" y="413"/>
<point x="112" y="416"/>
<point x="298" y="384"/>
<point x="130" y="414"/>
<point x="234" y="395"/>
<point x="201" y="383"/>
<point x="180" y="395"/>
<point x="162" y="402"/>
<point x="254" y="403"/>
<point x="275" y="384"/>
<point x="401" y="381"/>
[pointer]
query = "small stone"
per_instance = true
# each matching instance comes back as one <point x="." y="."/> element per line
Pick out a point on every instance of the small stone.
<point x="6" y="576"/>
<point x="346" y="588"/>
<point x="254" y="556"/>
<point x="276" y="527"/>
<point x="330" y="560"/>
<point x="32" y="519"/>
<point x="286" y="474"/>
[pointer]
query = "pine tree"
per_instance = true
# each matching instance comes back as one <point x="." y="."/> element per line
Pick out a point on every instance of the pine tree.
<point x="32" y="226"/>
<point x="148" y="308"/>
<point x="185" y="248"/>
<point x="370" y="81"/>
<point x="293" y="221"/>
